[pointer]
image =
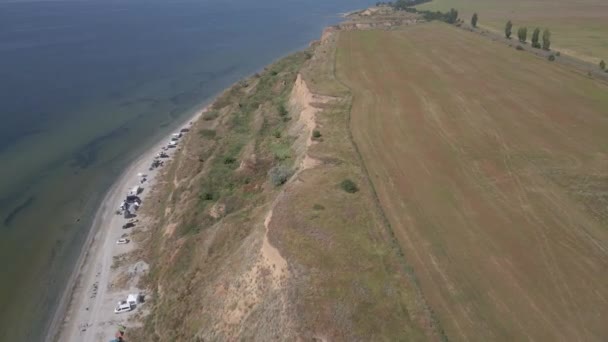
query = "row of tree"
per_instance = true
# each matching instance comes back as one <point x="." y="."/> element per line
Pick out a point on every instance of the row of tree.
<point x="522" y="35"/>
<point x="451" y="17"/>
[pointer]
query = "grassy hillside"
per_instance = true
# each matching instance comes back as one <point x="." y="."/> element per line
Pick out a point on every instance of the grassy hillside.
<point x="234" y="256"/>
<point x="579" y="27"/>
<point x="491" y="166"/>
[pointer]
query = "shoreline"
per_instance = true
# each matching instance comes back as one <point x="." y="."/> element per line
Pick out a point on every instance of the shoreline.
<point x="73" y="294"/>
<point x="62" y="321"/>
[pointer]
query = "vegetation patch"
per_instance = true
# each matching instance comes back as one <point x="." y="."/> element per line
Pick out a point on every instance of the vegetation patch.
<point x="279" y="175"/>
<point x="349" y="186"/>
<point x="210" y="190"/>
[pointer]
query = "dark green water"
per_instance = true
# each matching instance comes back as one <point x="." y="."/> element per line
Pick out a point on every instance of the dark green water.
<point x="87" y="85"/>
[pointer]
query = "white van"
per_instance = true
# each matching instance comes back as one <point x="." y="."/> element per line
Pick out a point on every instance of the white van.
<point x="123" y="306"/>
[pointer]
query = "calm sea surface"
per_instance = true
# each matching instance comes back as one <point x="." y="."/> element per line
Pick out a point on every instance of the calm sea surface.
<point x="87" y="85"/>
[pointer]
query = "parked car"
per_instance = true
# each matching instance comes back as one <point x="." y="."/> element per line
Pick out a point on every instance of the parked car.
<point x="128" y="225"/>
<point x="122" y="241"/>
<point x="122" y="306"/>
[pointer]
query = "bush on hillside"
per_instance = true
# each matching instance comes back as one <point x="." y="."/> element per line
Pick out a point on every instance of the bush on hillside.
<point x="282" y="110"/>
<point x="316" y="134"/>
<point x="279" y="175"/>
<point x="551" y="58"/>
<point x="349" y="186"/>
<point x="229" y="160"/>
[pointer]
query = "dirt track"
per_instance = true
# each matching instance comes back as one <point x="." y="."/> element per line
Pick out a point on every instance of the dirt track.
<point x="491" y="166"/>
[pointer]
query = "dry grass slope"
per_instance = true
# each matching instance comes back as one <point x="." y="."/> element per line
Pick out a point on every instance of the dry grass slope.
<point x="491" y="166"/>
<point x="235" y="258"/>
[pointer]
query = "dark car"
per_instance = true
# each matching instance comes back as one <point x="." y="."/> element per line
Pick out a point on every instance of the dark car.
<point x="128" y="225"/>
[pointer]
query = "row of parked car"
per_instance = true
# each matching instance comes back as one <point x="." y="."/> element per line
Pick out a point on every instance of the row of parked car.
<point x="133" y="201"/>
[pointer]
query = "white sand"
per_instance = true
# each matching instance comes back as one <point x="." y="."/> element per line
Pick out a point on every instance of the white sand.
<point x="88" y="310"/>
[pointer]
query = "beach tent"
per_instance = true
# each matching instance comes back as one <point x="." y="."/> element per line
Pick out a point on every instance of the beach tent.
<point x="133" y="299"/>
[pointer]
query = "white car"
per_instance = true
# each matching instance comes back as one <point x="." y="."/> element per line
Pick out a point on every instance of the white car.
<point x="122" y="306"/>
<point x="122" y="241"/>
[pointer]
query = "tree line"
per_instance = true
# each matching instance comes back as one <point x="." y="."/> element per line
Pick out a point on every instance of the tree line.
<point x="402" y="5"/>
<point x="522" y="35"/>
<point x="451" y="17"/>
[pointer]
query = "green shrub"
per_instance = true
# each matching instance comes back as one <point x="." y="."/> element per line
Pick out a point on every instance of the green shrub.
<point x="282" y="110"/>
<point x="277" y="134"/>
<point x="349" y="186"/>
<point x="210" y="115"/>
<point x="279" y="175"/>
<point x="558" y="54"/>
<point x="229" y="160"/>
<point x="207" y="196"/>
<point x="316" y="134"/>
<point x="551" y="58"/>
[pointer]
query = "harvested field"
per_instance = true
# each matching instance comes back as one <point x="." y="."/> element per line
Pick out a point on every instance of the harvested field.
<point x="579" y="27"/>
<point x="491" y="166"/>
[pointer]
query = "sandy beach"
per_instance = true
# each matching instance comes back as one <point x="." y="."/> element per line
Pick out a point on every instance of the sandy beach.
<point x="87" y="309"/>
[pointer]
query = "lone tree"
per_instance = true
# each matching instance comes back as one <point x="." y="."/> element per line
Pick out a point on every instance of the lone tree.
<point x="546" y="39"/>
<point x="474" y="20"/>
<point x="452" y="16"/>
<point x="535" y="36"/>
<point x="602" y="65"/>
<point x="522" y="34"/>
<point x="508" y="28"/>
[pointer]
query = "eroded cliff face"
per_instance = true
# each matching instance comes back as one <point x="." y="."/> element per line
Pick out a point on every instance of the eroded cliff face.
<point x="214" y="273"/>
<point x="250" y="235"/>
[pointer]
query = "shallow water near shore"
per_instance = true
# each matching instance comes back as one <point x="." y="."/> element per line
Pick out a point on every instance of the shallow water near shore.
<point x="86" y="86"/>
